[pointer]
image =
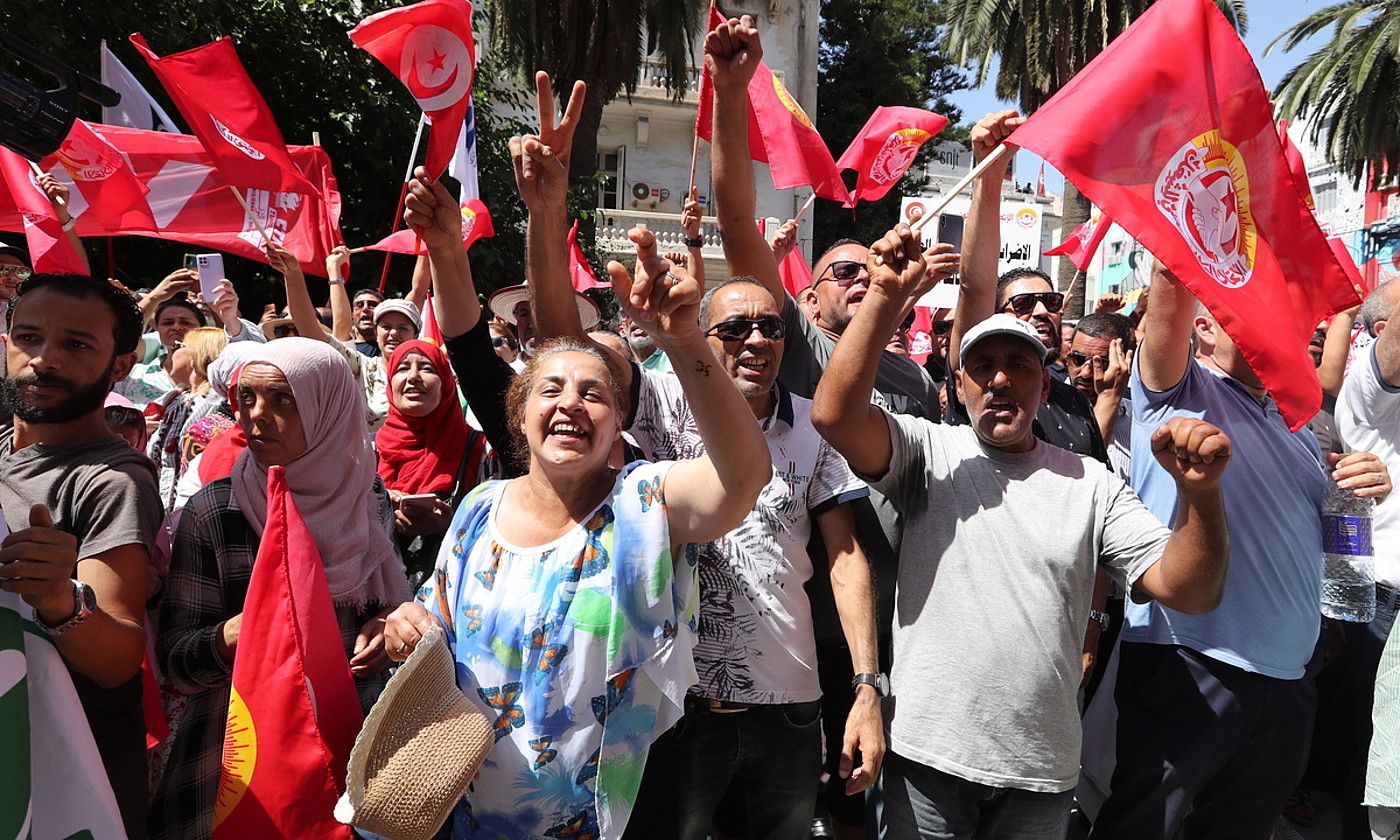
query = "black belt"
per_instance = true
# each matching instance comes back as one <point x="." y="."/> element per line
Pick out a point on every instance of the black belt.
<point x="694" y="703"/>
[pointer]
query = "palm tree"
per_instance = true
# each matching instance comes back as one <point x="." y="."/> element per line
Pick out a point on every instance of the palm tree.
<point x="603" y="43"/>
<point x="1350" y="88"/>
<point x="1041" y="44"/>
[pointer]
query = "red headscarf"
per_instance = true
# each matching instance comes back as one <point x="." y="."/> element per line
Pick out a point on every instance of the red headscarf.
<point x="422" y="454"/>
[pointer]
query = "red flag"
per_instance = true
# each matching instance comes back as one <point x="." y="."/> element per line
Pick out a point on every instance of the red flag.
<point x="1179" y="147"/>
<point x="101" y="177"/>
<point x="429" y="47"/>
<point x="431" y="331"/>
<point x="1083" y="242"/>
<point x="885" y="148"/>
<point x="293" y="711"/>
<point x="920" y="335"/>
<point x="780" y="132"/>
<point x="1296" y="166"/>
<point x="1040" y="181"/>
<point x="188" y="201"/>
<point x="476" y="224"/>
<point x="1348" y="263"/>
<point x="24" y="207"/>
<point x="228" y="115"/>
<point x="795" y="272"/>
<point x="581" y="274"/>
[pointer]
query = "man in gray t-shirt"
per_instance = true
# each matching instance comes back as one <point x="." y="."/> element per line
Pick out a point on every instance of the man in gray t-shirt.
<point x="1003" y="534"/>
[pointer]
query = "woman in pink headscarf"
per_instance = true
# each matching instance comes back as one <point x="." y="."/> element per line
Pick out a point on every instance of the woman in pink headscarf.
<point x="299" y="408"/>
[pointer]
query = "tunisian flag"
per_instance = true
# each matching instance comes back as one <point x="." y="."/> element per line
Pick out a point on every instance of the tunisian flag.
<point x="24" y="207"/>
<point x="780" y="132"/>
<point x="1083" y="242"/>
<point x="885" y="148"/>
<point x="581" y="274"/>
<point x="225" y="111"/>
<point x="476" y="224"/>
<point x="1179" y="147"/>
<point x="108" y="187"/>
<point x="189" y="201"/>
<point x="293" y="712"/>
<point x="429" y="47"/>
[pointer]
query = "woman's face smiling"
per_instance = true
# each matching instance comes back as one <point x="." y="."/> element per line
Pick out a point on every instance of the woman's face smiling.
<point x="570" y="417"/>
<point x="416" y="385"/>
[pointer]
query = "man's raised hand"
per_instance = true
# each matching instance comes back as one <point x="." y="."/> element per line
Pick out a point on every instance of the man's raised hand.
<point x="732" y="52"/>
<point x="992" y="130"/>
<point x="1193" y="452"/>
<point x="664" y="298"/>
<point x="541" y="161"/>
<point x="897" y="265"/>
<point x="431" y="211"/>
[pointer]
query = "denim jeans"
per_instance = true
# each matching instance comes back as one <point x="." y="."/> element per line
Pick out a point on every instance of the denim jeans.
<point x="912" y="801"/>
<point x="773" y="752"/>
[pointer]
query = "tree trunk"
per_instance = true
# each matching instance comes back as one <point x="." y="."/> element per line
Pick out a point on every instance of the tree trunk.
<point x="583" y="166"/>
<point x="1075" y="213"/>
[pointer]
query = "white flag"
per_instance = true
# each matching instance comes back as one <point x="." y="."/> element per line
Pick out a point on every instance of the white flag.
<point x="137" y="109"/>
<point x="463" y="163"/>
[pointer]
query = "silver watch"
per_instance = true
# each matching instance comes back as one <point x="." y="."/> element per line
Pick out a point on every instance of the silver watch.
<point x="879" y="682"/>
<point x="84" y="604"/>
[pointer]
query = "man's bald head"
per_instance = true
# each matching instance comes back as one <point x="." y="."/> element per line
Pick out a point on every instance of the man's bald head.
<point x="1376" y="309"/>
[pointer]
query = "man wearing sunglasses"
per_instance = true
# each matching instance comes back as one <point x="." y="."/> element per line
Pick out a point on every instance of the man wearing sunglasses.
<point x="1099" y="362"/>
<point x="753" y="720"/>
<point x="1003" y="537"/>
<point x="14" y="269"/>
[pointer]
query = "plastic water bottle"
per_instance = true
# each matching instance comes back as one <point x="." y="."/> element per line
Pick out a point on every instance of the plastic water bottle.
<point x="1348" y="567"/>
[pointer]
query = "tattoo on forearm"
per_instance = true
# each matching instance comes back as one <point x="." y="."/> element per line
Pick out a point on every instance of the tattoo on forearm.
<point x="702" y="368"/>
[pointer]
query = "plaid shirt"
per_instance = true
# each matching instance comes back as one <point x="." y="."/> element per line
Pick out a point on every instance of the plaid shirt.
<point x="211" y="563"/>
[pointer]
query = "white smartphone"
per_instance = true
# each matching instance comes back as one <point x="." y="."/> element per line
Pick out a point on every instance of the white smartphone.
<point x="423" y="501"/>
<point x="211" y="271"/>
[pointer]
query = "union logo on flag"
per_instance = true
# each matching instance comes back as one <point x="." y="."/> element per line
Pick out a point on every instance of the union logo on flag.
<point x="1204" y="192"/>
<point x="895" y="157"/>
<point x="790" y="103"/>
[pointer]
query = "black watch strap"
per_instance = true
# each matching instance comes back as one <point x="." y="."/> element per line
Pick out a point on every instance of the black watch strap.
<point x="697" y="242"/>
<point x="879" y="682"/>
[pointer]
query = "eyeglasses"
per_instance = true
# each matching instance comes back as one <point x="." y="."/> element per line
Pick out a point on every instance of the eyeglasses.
<point x="1080" y="359"/>
<point x="844" y="272"/>
<point x="499" y="341"/>
<point x="1024" y="304"/>
<point x="18" y="272"/>
<point x="942" y="328"/>
<point x="739" y="329"/>
<point x="284" y="331"/>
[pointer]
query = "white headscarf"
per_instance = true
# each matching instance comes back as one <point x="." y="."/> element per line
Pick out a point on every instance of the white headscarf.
<point x="331" y="481"/>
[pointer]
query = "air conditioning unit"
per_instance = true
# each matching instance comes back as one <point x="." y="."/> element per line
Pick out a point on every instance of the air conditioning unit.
<point x="641" y="191"/>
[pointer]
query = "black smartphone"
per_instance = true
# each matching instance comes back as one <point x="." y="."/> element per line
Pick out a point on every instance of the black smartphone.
<point x="950" y="230"/>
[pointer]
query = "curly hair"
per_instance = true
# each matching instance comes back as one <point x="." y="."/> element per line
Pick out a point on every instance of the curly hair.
<point x="518" y="394"/>
<point x="126" y="317"/>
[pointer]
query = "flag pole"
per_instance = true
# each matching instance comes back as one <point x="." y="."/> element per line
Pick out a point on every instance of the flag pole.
<point x="248" y="210"/>
<point x="694" y="160"/>
<point x="997" y="154"/>
<point x="403" y="193"/>
<point x="39" y="173"/>
<point x="811" y="199"/>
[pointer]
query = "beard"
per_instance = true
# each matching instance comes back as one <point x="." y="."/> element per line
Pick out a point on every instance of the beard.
<point x="81" y="401"/>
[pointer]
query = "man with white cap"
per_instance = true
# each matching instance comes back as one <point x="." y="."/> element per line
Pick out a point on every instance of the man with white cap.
<point x="1003" y="534"/>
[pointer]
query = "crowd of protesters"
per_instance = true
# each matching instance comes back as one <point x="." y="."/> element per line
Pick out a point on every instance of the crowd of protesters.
<point x="1059" y="573"/>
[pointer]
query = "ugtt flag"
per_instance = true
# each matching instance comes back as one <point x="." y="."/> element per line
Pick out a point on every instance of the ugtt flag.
<point x="1178" y="147"/>
<point x="293" y="712"/>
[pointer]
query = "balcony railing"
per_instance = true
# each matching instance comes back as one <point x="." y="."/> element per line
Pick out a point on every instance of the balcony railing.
<point x="651" y="85"/>
<point x="614" y="224"/>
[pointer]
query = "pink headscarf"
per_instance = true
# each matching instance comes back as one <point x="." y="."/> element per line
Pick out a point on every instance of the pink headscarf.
<point x="331" y="480"/>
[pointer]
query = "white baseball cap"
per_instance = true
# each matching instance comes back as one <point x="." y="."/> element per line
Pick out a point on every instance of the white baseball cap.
<point x="405" y="308"/>
<point x="1001" y="324"/>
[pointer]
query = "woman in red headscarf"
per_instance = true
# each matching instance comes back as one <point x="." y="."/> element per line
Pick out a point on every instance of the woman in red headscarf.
<point x="428" y="456"/>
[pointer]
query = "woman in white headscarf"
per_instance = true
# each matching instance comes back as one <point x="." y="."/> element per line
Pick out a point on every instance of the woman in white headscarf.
<point x="299" y="408"/>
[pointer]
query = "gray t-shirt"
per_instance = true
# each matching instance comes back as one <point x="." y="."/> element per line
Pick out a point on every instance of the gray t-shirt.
<point x="995" y="579"/>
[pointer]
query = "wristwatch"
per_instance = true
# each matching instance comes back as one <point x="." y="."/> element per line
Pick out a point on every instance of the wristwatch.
<point x="1100" y="617"/>
<point x="879" y="682"/>
<point x="70" y="224"/>
<point x="697" y="242"/>
<point x="84" y="603"/>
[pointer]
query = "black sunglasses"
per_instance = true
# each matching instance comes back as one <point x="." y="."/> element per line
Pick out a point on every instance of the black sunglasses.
<point x="941" y="328"/>
<point x="499" y="341"/>
<point x="843" y="272"/>
<point x="739" y="329"/>
<point x="1024" y="304"/>
<point x="1079" y="359"/>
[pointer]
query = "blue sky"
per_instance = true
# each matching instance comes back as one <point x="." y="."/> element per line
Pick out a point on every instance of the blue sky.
<point x="1267" y="18"/>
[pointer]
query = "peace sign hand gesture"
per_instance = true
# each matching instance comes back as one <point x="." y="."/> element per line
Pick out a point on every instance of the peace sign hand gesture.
<point x="541" y="161"/>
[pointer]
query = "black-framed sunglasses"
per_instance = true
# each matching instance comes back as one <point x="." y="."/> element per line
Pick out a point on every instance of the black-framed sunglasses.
<point x="499" y="341"/>
<point x="942" y="328"/>
<point x="844" y="272"/>
<point x="739" y="329"/>
<point x="1079" y="359"/>
<point x="1024" y="304"/>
